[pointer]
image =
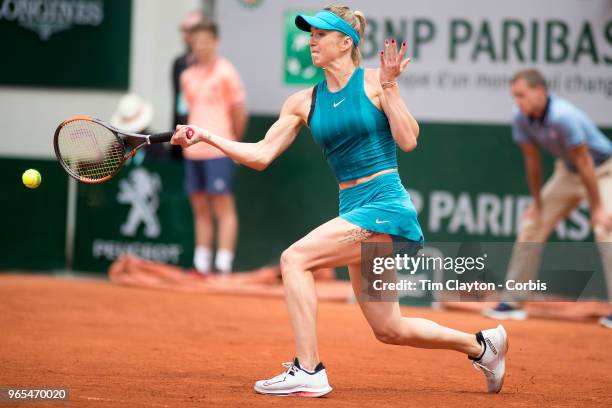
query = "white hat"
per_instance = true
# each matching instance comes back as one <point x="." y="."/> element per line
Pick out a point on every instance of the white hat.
<point x="133" y="114"/>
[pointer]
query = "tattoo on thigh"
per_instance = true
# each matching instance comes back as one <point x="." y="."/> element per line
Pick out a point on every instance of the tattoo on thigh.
<point x="358" y="235"/>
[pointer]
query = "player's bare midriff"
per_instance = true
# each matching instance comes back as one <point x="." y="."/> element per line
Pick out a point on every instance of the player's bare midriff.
<point x="361" y="180"/>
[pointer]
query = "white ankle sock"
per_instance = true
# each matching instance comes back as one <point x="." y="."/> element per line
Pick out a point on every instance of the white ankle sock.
<point x="224" y="260"/>
<point x="201" y="259"/>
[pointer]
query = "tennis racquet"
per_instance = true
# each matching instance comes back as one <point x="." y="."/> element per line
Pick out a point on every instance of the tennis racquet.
<point x="92" y="151"/>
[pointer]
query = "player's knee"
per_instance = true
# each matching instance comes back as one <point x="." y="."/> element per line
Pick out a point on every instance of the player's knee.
<point x="291" y="261"/>
<point x="388" y="334"/>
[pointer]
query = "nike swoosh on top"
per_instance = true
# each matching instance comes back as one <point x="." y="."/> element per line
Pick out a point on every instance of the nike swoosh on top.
<point x="338" y="103"/>
<point x="381" y="222"/>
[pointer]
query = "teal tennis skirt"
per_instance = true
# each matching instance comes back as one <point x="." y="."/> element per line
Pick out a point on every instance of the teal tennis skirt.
<point x="382" y="205"/>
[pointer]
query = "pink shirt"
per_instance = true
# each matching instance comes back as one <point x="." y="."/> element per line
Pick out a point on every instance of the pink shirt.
<point x="210" y="93"/>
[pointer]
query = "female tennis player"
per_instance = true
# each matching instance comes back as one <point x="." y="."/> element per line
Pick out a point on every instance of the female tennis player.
<point x="358" y="117"/>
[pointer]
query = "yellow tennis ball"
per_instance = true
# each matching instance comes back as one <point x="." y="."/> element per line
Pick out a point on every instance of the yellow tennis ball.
<point x="31" y="178"/>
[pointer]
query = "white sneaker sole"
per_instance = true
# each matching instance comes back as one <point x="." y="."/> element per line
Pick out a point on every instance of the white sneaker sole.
<point x="296" y="392"/>
<point x="510" y="315"/>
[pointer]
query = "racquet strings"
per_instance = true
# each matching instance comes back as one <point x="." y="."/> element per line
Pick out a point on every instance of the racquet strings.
<point x="89" y="149"/>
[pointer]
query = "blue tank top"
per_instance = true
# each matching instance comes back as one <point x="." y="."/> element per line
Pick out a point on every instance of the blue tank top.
<point x="354" y="134"/>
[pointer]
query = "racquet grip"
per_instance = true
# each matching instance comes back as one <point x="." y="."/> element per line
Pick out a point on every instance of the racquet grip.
<point x="161" y="137"/>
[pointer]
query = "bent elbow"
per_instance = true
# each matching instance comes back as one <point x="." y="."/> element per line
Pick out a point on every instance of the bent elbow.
<point x="408" y="141"/>
<point x="261" y="163"/>
<point x="408" y="145"/>
<point x="260" y="166"/>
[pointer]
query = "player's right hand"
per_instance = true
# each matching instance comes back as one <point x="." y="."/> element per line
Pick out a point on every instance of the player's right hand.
<point x="185" y="136"/>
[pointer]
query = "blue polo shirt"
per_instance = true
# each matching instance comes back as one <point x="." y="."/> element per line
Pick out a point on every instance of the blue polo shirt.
<point x="562" y="128"/>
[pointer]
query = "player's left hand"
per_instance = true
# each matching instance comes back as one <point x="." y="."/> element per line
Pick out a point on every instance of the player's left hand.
<point x="392" y="63"/>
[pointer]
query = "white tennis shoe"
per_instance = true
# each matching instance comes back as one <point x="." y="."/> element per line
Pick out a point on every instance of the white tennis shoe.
<point x="492" y="361"/>
<point x="296" y="382"/>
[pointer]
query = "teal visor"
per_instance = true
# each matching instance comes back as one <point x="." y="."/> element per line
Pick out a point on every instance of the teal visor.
<point x="326" y="20"/>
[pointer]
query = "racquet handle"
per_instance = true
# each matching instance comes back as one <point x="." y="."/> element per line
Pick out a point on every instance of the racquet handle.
<point x="190" y="133"/>
<point x="161" y="137"/>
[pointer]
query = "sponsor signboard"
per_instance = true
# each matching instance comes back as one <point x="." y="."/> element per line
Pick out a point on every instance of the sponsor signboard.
<point x="66" y="43"/>
<point x="463" y="53"/>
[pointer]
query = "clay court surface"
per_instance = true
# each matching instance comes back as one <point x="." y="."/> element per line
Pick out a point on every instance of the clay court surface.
<point x="115" y="346"/>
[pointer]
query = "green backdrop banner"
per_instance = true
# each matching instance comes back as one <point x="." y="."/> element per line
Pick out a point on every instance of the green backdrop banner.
<point x="66" y="43"/>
